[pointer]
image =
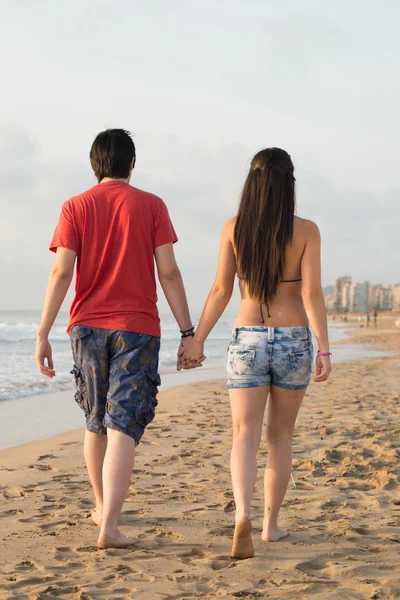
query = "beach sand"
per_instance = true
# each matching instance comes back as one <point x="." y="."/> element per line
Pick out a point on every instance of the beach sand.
<point x="343" y="515"/>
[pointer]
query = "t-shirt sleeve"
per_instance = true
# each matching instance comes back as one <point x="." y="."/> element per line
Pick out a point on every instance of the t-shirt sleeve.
<point x="164" y="232"/>
<point x="65" y="235"/>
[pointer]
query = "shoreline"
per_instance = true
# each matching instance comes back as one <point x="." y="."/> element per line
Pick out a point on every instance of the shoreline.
<point x="343" y="515"/>
<point x="53" y="413"/>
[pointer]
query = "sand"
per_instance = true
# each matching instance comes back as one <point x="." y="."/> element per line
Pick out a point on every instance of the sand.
<point x="343" y="515"/>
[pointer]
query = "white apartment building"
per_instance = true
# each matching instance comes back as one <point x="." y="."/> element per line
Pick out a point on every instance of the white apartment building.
<point x="345" y="305"/>
<point x="380" y="297"/>
<point x="373" y="296"/>
<point x="385" y="298"/>
<point x="396" y="297"/>
<point x="338" y="291"/>
<point x="359" y="297"/>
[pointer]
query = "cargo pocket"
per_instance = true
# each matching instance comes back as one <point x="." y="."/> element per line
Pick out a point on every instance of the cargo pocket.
<point x="81" y="395"/>
<point x="147" y="407"/>
<point x="241" y="360"/>
<point x="80" y="331"/>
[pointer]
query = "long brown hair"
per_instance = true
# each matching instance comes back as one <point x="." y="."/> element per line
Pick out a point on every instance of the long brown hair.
<point x="264" y="224"/>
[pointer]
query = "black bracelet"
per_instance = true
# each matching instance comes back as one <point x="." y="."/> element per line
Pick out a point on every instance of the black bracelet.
<point x="187" y="334"/>
<point x="187" y="331"/>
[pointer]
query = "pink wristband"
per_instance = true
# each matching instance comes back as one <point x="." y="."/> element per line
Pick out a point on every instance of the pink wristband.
<point x="324" y="353"/>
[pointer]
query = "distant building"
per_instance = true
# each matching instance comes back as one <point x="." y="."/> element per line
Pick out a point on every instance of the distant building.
<point x="396" y="297"/>
<point x="381" y="297"/>
<point x="338" y="291"/>
<point x="359" y="297"/>
<point x="385" y="298"/>
<point x="373" y="296"/>
<point x="345" y="306"/>
<point x="330" y="303"/>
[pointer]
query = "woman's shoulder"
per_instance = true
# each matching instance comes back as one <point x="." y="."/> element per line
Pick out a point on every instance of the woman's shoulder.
<point x="229" y="227"/>
<point x="306" y="227"/>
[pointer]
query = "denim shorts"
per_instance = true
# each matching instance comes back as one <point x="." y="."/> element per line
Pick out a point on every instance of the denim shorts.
<point x="116" y="378"/>
<point x="280" y="356"/>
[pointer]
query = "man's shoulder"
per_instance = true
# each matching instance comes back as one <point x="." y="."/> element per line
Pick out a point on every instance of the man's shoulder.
<point x="130" y="192"/>
<point x="151" y="198"/>
<point x="79" y="198"/>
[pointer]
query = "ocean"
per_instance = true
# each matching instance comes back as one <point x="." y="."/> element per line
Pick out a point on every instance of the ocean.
<point x="19" y="376"/>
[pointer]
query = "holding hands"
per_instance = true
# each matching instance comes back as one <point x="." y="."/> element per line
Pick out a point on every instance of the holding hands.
<point x="190" y="351"/>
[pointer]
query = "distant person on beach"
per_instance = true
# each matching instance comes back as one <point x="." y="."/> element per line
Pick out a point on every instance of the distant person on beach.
<point x="367" y="319"/>
<point x="375" y="317"/>
<point x="276" y="257"/>
<point x="113" y="232"/>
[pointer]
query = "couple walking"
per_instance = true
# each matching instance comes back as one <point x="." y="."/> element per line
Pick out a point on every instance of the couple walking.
<point x="113" y="233"/>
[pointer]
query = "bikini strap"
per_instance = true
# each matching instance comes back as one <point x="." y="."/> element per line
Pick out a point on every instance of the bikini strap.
<point x="262" y="314"/>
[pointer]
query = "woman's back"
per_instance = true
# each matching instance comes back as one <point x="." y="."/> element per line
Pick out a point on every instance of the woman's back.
<point x="286" y="308"/>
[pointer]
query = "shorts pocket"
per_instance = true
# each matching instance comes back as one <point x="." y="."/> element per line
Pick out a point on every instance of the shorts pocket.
<point x="146" y="409"/>
<point x="78" y="332"/>
<point x="301" y="361"/>
<point x="241" y="360"/>
<point x="81" y="395"/>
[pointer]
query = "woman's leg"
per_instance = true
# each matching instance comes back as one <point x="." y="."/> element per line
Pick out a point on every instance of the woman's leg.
<point x="94" y="450"/>
<point x="283" y="407"/>
<point x="248" y="406"/>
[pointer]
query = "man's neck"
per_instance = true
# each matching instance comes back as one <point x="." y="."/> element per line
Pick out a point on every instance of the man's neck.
<point x="106" y="179"/>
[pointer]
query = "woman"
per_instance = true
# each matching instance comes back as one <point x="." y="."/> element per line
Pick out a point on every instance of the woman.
<point x="276" y="257"/>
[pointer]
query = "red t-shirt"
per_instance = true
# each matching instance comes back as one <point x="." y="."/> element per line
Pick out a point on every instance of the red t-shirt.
<point x="114" y="229"/>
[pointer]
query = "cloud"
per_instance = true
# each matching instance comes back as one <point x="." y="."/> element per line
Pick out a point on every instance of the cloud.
<point x="303" y="31"/>
<point x="300" y="40"/>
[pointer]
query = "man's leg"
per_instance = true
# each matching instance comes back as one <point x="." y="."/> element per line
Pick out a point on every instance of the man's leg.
<point x="91" y="367"/>
<point x="130" y="408"/>
<point x="95" y="449"/>
<point x="117" y="471"/>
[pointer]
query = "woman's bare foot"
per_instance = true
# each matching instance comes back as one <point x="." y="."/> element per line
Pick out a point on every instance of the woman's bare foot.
<point x="242" y="543"/>
<point x="96" y="516"/>
<point x="273" y="533"/>
<point x="116" y="540"/>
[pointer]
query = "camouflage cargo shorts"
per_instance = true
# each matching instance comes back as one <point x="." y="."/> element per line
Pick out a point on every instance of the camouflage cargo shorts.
<point x="116" y="378"/>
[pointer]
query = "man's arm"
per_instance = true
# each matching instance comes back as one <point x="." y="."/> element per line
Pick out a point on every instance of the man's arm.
<point x="57" y="287"/>
<point x="171" y="282"/>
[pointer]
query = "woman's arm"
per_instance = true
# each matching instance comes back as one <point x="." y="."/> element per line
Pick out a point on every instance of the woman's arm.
<point x="218" y="297"/>
<point x="313" y="297"/>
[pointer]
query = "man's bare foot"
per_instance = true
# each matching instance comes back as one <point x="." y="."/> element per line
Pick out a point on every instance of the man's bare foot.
<point x="273" y="534"/>
<point x="242" y="543"/>
<point x="96" y="516"/>
<point x="116" y="540"/>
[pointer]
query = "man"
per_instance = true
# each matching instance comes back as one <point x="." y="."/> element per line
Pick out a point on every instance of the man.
<point x="113" y="231"/>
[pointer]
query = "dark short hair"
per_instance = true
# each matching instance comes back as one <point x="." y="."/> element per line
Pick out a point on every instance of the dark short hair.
<point x="112" y="153"/>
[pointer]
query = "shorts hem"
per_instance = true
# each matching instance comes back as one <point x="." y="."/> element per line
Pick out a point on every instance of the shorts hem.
<point x="292" y="388"/>
<point x="246" y="384"/>
<point x="92" y="429"/>
<point x="109" y="424"/>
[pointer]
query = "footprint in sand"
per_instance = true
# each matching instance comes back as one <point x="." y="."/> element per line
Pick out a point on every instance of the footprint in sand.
<point x="220" y="563"/>
<point x="44" y="456"/>
<point x="313" y="566"/>
<point x="363" y="530"/>
<point x="11" y="512"/>
<point x="26" y="565"/>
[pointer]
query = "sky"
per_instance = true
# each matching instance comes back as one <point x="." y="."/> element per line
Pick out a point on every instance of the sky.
<point x="202" y="85"/>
